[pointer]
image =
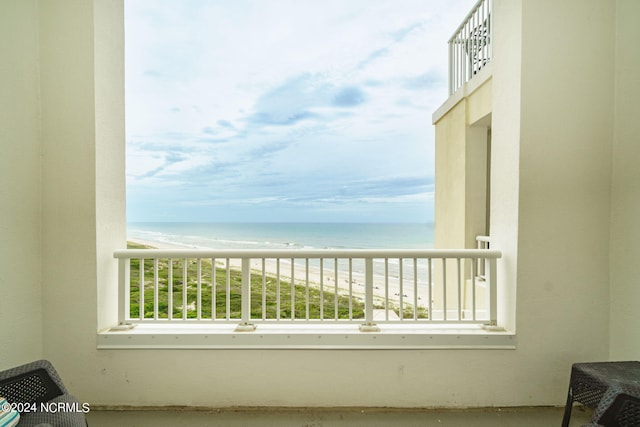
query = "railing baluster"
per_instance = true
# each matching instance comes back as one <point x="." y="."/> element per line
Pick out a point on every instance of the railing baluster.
<point x="306" y="281"/>
<point x="444" y="289"/>
<point x="278" y="289"/>
<point x="264" y="289"/>
<point x="350" y="291"/>
<point x="401" y="286"/>
<point x="141" y="289"/>
<point x="430" y="284"/>
<point x="335" y="281"/>
<point x="474" y="272"/>
<point x="415" y="289"/>
<point x="185" y="267"/>
<point x="214" y="290"/>
<point x="321" y="288"/>
<point x="199" y="289"/>
<point x="293" y="290"/>
<point x="470" y="47"/>
<point x="386" y="289"/>
<point x="170" y="295"/>
<point x="155" y="288"/>
<point x="460" y="291"/>
<point x="228" y="291"/>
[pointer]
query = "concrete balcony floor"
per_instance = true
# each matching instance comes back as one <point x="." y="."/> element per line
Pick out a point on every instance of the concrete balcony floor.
<point x="307" y="417"/>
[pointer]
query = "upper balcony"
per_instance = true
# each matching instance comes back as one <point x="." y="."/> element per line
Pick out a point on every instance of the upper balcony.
<point x="470" y="46"/>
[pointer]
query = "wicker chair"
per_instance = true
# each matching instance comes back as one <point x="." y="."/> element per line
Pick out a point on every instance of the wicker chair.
<point x="37" y="387"/>
<point x="611" y="388"/>
<point x="619" y="409"/>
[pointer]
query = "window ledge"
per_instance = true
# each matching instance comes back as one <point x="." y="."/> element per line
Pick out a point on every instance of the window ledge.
<point x="291" y="336"/>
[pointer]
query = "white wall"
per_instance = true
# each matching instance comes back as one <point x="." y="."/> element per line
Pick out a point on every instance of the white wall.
<point x="553" y="237"/>
<point x="505" y="151"/>
<point x="68" y="184"/>
<point x="566" y="135"/>
<point x="20" y="254"/>
<point x="625" y="227"/>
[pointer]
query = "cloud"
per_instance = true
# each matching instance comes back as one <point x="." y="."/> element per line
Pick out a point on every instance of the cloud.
<point x="393" y="40"/>
<point x="342" y="191"/>
<point x="268" y="149"/>
<point x="152" y="73"/>
<point x="430" y="79"/>
<point x="349" y="97"/>
<point x="225" y="124"/>
<point x="400" y="35"/>
<point x="168" y="159"/>
<point x="289" y="102"/>
<point x="374" y="56"/>
<point x="302" y="98"/>
<point x="287" y="112"/>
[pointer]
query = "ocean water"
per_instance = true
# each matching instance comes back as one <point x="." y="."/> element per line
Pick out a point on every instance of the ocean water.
<point x="286" y="235"/>
<point x="296" y="236"/>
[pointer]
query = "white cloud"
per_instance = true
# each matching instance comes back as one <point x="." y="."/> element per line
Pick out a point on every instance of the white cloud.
<point x="234" y="97"/>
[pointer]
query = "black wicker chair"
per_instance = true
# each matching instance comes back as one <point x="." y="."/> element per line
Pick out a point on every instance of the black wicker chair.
<point x="611" y="388"/>
<point x="37" y="388"/>
<point x="619" y="409"/>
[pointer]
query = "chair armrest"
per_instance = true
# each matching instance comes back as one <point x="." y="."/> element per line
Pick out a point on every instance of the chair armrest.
<point x="33" y="382"/>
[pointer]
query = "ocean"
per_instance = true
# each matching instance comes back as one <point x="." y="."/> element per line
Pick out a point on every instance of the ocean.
<point x="285" y="235"/>
<point x="296" y="235"/>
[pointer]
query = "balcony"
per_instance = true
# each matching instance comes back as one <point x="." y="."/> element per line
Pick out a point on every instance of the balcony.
<point x="564" y="167"/>
<point x="289" y="298"/>
<point x="470" y="47"/>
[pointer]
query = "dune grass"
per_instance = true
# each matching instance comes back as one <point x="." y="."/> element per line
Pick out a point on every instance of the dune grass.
<point x="308" y="302"/>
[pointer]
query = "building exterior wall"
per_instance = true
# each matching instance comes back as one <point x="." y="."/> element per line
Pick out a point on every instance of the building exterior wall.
<point x="566" y="136"/>
<point x="506" y="101"/>
<point x="20" y="253"/>
<point x="625" y="227"/>
<point x="450" y="179"/>
<point x="551" y="170"/>
<point x="461" y="203"/>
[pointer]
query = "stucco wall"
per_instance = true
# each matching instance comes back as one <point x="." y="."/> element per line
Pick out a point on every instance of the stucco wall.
<point x="450" y="147"/>
<point x="566" y="135"/>
<point x="625" y="227"/>
<point x="461" y="168"/>
<point x="552" y="235"/>
<point x="20" y="255"/>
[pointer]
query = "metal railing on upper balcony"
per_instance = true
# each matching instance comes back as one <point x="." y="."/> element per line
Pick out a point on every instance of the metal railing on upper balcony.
<point x="360" y="287"/>
<point x="470" y="46"/>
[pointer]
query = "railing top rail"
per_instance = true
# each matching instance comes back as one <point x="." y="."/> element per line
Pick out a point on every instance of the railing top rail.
<point x="307" y="253"/>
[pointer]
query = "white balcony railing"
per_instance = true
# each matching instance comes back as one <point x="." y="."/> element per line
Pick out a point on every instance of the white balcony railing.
<point x="470" y="46"/>
<point x="360" y="287"/>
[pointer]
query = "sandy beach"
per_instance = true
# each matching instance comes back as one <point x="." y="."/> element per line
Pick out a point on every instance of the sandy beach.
<point x="316" y="277"/>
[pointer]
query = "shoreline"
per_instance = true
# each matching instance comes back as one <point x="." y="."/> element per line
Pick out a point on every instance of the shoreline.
<point x="313" y="275"/>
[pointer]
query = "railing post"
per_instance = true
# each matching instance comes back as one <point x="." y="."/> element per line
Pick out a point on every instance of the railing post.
<point x="245" y="325"/>
<point x="124" y="285"/>
<point x="492" y="296"/>
<point x="368" y="325"/>
<point x="123" y="289"/>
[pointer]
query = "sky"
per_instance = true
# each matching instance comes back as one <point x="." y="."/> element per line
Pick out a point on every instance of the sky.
<point x="284" y="110"/>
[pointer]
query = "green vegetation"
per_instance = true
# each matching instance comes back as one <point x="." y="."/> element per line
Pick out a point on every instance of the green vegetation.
<point x="308" y="302"/>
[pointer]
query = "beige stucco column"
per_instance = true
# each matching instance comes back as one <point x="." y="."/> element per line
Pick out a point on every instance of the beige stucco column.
<point x="462" y="186"/>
